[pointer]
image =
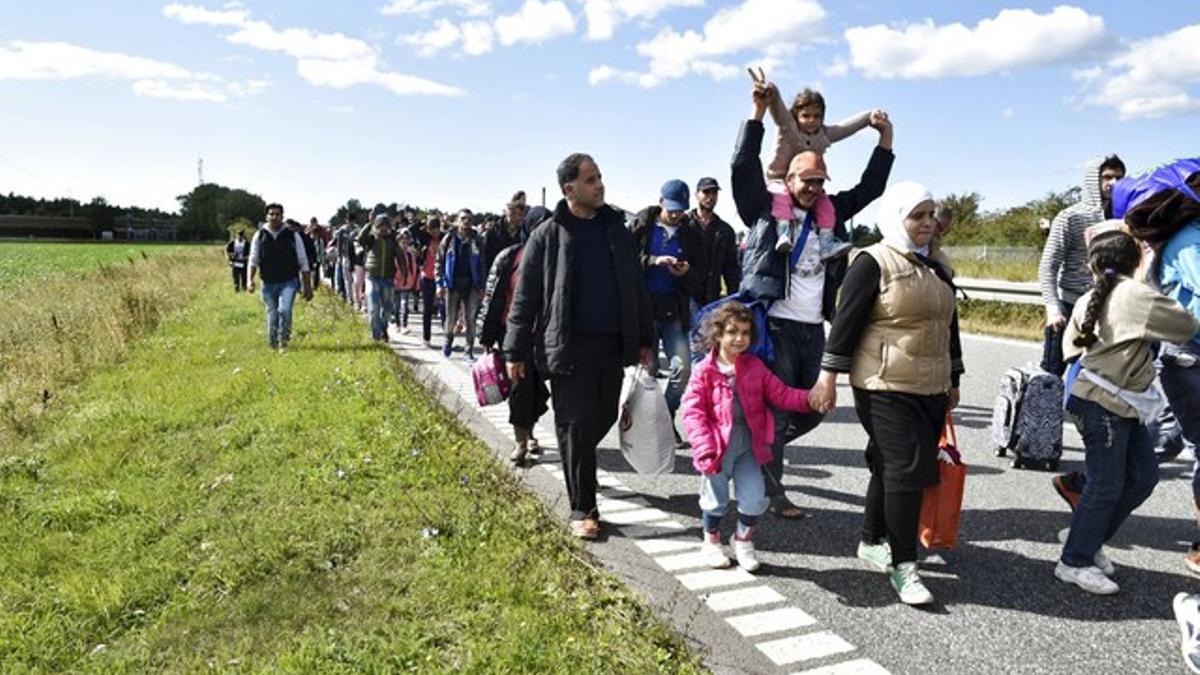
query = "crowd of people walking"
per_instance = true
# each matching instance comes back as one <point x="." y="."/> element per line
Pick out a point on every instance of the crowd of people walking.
<point x="571" y="295"/>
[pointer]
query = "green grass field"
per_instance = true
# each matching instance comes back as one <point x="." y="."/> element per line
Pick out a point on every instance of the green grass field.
<point x="22" y="262"/>
<point x="203" y="502"/>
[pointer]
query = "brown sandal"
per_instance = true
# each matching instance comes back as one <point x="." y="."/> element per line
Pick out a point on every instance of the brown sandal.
<point x="587" y="528"/>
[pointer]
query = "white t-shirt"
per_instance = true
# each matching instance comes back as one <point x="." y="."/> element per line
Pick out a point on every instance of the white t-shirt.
<point x="807" y="289"/>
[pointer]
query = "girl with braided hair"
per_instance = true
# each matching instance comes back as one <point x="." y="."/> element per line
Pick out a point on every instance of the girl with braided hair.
<point x="1113" y="394"/>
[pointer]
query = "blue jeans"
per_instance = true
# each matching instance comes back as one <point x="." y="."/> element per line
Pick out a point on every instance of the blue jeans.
<point x="1052" y="353"/>
<point x="279" y="296"/>
<point x="380" y="291"/>
<point x="1181" y="384"/>
<point x="741" y="468"/>
<point x="674" y="340"/>
<point x="1121" y="474"/>
<point x="339" y="279"/>
<point x="798" y="348"/>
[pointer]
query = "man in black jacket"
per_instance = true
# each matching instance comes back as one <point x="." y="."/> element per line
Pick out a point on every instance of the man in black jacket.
<point x="718" y="259"/>
<point x="580" y="313"/>
<point x="800" y="286"/>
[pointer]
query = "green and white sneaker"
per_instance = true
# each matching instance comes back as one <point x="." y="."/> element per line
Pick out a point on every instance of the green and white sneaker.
<point x="908" y="585"/>
<point x="879" y="555"/>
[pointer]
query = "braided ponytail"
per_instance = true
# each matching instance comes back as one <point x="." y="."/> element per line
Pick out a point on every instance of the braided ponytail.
<point x="1110" y="255"/>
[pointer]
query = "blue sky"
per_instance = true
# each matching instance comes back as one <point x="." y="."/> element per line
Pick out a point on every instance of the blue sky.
<point x="454" y="103"/>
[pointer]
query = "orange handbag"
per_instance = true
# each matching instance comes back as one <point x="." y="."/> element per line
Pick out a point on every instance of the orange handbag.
<point x="941" y="505"/>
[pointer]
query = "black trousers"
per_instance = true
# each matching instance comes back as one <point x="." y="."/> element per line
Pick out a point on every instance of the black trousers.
<point x="428" y="289"/>
<point x="585" y="408"/>
<point x="902" y="437"/>
<point x="239" y="278"/>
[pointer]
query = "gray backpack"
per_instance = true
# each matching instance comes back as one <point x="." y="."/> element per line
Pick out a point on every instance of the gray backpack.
<point x="1028" y="417"/>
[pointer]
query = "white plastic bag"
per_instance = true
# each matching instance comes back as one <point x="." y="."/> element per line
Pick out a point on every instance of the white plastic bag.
<point x="647" y="435"/>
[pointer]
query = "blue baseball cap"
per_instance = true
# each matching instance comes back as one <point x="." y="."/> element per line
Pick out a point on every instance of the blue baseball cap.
<point x="675" y="195"/>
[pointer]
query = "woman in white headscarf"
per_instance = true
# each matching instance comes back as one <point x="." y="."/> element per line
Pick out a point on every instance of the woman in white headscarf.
<point x="896" y="334"/>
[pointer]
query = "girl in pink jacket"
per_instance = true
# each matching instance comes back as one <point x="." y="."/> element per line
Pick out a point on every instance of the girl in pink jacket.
<point x="727" y="420"/>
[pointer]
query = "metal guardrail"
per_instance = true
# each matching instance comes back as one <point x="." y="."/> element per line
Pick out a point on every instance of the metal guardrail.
<point x="1023" y="292"/>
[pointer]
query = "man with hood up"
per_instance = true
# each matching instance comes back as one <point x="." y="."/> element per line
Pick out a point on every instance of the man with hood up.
<point x="1063" y="273"/>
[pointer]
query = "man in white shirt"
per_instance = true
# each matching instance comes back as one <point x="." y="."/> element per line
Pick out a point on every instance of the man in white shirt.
<point x="278" y="254"/>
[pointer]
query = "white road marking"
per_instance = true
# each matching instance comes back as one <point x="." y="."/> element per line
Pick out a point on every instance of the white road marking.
<point x="658" y="546"/>
<point x="726" y="601"/>
<point x="804" y="647"/>
<point x="855" y="667"/>
<point x="682" y="561"/>
<point x="698" y="581"/>
<point x="644" y="515"/>
<point x="771" y="621"/>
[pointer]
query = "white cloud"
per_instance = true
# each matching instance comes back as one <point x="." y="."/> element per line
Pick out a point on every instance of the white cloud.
<point x="772" y="28"/>
<point x="535" y="22"/>
<point x="603" y="16"/>
<point x="149" y="78"/>
<point x="477" y="37"/>
<point x="1014" y="38"/>
<point x="444" y="34"/>
<point x="185" y="91"/>
<point x="322" y="59"/>
<point x="1155" y="77"/>
<point x="66" y="61"/>
<point x="192" y="14"/>
<point x="472" y="8"/>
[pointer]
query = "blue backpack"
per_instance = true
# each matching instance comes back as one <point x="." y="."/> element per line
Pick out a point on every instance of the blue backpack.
<point x="762" y="347"/>
<point x="1131" y="191"/>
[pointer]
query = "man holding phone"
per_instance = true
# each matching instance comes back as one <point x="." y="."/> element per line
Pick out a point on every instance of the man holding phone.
<point x="666" y="246"/>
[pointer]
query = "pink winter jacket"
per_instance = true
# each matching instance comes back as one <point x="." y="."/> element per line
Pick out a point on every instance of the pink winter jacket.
<point x="707" y="409"/>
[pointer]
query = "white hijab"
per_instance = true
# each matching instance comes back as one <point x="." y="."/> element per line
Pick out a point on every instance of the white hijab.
<point x="897" y="202"/>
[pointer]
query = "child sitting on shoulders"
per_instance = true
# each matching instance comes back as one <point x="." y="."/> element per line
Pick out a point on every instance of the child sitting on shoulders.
<point x="803" y="128"/>
<point x="727" y="418"/>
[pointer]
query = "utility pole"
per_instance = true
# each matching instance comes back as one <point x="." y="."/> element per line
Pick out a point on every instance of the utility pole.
<point x="200" y="171"/>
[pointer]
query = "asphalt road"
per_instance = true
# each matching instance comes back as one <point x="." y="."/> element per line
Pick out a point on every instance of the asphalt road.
<point x="813" y="607"/>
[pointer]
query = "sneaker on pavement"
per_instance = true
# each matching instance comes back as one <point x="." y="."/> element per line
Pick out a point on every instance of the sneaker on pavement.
<point x="1187" y="615"/>
<point x="713" y="553"/>
<point x="1192" y="559"/>
<point x="1065" y="489"/>
<point x="909" y="586"/>
<point x="879" y="555"/>
<point x="743" y="550"/>
<point x="1089" y="578"/>
<point x="1104" y="564"/>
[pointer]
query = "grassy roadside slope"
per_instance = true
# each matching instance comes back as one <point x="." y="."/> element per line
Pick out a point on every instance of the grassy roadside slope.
<point x="211" y="503"/>
<point x="22" y="262"/>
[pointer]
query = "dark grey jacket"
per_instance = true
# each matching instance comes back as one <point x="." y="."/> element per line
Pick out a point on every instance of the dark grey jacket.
<point x="540" y="317"/>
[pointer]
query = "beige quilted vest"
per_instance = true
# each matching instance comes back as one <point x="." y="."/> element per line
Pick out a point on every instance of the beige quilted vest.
<point x="906" y="345"/>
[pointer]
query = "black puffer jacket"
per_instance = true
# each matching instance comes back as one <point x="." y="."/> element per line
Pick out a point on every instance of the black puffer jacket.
<point x="540" y="317"/>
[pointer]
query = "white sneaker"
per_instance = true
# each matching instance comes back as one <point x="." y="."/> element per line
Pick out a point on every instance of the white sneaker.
<point x="1187" y="615"/>
<point x="879" y="555"/>
<point x="909" y="586"/>
<point x="743" y="550"/>
<point x="1089" y="578"/>
<point x="714" y="554"/>
<point x="1104" y="564"/>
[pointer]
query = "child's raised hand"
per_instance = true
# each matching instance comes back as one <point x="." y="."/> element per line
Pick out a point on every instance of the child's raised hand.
<point x="878" y="120"/>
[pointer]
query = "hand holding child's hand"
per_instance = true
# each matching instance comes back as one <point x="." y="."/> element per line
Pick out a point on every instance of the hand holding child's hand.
<point x="879" y="120"/>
